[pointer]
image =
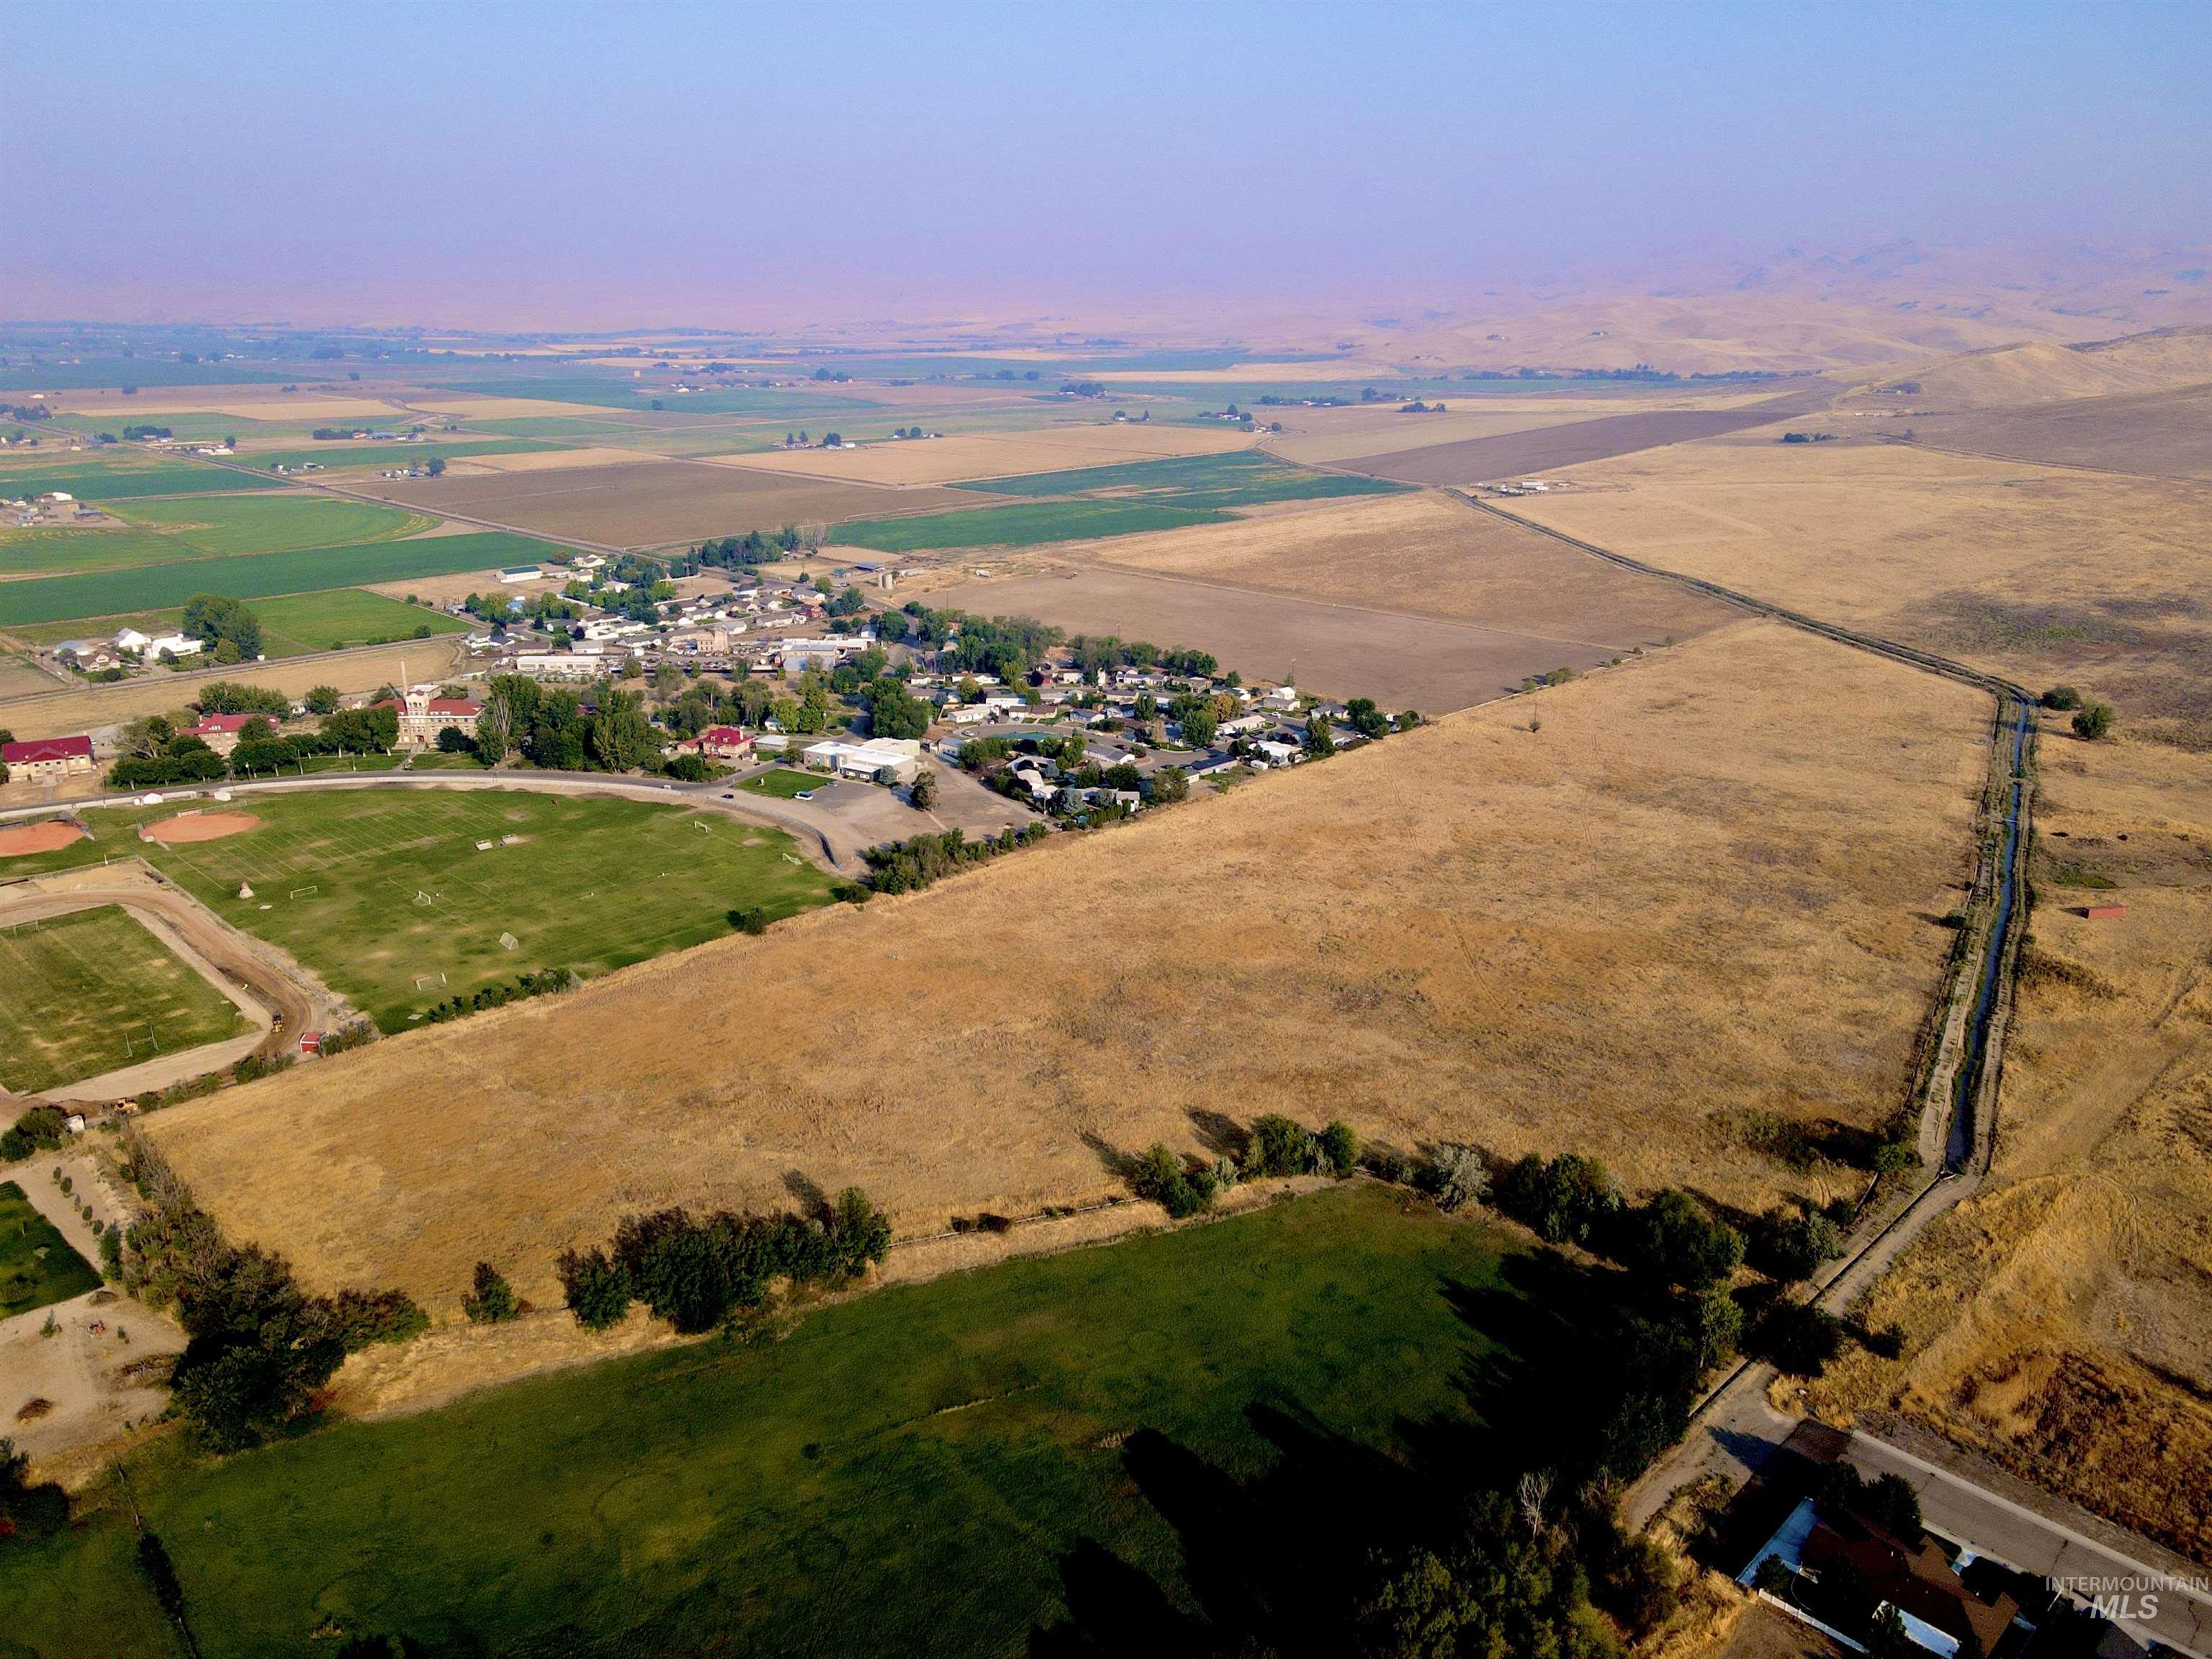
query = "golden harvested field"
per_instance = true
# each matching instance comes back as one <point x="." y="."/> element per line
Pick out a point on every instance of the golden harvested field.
<point x="1429" y="555"/>
<point x="1664" y="909"/>
<point x="647" y="502"/>
<point x="536" y="460"/>
<point x="2060" y="1320"/>
<point x="949" y="459"/>
<point x="110" y="705"/>
<point x="2156" y="433"/>
<point x="2045" y="574"/>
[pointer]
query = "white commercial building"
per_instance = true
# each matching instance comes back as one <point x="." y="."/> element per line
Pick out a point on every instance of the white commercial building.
<point x="902" y="756"/>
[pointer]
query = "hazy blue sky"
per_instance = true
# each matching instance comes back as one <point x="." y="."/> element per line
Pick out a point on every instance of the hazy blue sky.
<point x="330" y="160"/>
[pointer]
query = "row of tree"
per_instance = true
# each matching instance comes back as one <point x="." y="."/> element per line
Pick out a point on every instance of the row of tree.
<point x="698" y="1273"/>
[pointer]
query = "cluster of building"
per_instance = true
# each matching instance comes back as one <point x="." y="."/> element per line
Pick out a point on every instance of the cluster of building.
<point x="128" y="645"/>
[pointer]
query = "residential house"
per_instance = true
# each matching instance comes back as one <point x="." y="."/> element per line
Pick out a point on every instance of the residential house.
<point x="719" y="743"/>
<point x="177" y="645"/>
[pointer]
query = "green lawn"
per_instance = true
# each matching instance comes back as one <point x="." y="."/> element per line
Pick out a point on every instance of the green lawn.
<point x="1240" y="478"/>
<point x="921" y="1470"/>
<point x="220" y="526"/>
<point x="37" y="1266"/>
<point x="258" y="575"/>
<point x="783" y="783"/>
<point x="1026" y="525"/>
<point x="373" y="889"/>
<point x="92" y="991"/>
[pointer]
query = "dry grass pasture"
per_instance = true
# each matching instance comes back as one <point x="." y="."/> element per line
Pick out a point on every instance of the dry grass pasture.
<point x="2017" y="376"/>
<point x="2045" y="574"/>
<point x="1664" y="909"/>
<point x="1429" y="555"/>
<point x="991" y="455"/>
<point x="645" y="503"/>
<point x="2060" y="1320"/>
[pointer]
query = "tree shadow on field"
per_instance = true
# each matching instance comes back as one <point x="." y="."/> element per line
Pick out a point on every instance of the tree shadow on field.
<point x="806" y="1192"/>
<point x="1118" y="1163"/>
<point x="1280" y="1562"/>
<point x="1219" y="1133"/>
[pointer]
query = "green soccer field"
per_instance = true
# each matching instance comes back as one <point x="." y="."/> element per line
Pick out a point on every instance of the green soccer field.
<point x="938" y="1470"/>
<point x="384" y="891"/>
<point x="37" y="1266"/>
<point x="94" y="991"/>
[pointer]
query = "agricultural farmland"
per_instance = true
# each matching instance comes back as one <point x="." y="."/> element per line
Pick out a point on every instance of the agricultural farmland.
<point x="291" y="624"/>
<point x="259" y="575"/>
<point x="651" y="501"/>
<point x="228" y="526"/>
<point x="92" y="992"/>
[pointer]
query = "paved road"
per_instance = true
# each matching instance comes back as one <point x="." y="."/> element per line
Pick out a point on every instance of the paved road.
<point x="2034" y="1542"/>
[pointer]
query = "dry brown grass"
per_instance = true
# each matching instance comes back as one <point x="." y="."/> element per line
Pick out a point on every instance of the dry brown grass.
<point x="1429" y="554"/>
<point x="536" y="460"/>
<point x="2017" y="376"/>
<point x="2043" y="575"/>
<point x="649" y="502"/>
<point x="1663" y="909"/>
<point x="2060" y="1321"/>
<point x="110" y="705"/>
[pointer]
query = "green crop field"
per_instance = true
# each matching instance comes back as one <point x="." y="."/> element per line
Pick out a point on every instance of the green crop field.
<point x="223" y="526"/>
<point x="123" y="480"/>
<point x="258" y="575"/>
<point x="44" y="550"/>
<point x="1149" y="1434"/>
<point x="92" y="991"/>
<point x="376" y="890"/>
<point x="37" y="1266"/>
<point x="783" y="783"/>
<point x="1029" y="525"/>
<point x="194" y="428"/>
<point x="1241" y="478"/>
